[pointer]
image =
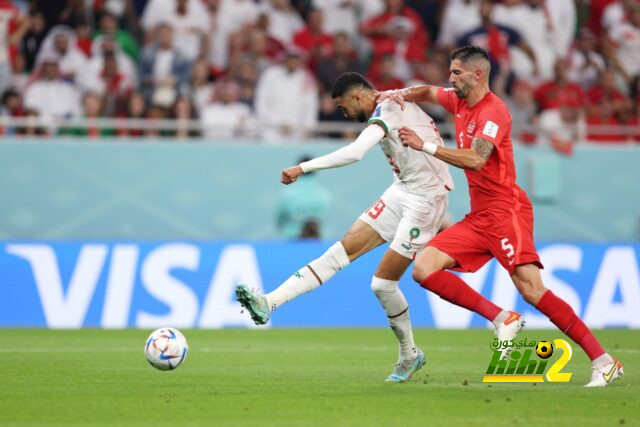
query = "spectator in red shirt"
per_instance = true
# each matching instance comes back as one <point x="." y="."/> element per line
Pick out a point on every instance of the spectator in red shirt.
<point x="559" y="91"/>
<point x="385" y="78"/>
<point x="606" y="89"/>
<point x="602" y="124"/>
<point x="313" y="40"/>
<point x="386" y="32"/>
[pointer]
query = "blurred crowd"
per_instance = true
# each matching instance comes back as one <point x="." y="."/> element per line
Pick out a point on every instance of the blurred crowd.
<point x="569" y="69"/>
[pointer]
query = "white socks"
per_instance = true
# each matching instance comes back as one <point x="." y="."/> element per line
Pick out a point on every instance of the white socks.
<point x="309" y="277"/>
<point x="397" y="309"/>
<point x="501" y="317"/>
<point x="601" y="361"/>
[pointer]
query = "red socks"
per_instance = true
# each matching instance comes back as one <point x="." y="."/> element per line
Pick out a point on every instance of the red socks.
<point x="563" y="316"/>
<point x="451" y="288"/>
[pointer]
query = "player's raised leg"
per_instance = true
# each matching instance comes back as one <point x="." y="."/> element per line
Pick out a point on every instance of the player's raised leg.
<point x="429" y="272"/>
<point x="385" y="286"/>
<point x="529" y="283"/>
<point x="360" y="239"/>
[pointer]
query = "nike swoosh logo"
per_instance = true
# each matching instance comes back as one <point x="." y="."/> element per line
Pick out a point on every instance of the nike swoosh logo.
<point x="608" y="375"/>
<point x="512" y="317"/>
<point x="511" y="262"/>
<point x="458" y="115"/>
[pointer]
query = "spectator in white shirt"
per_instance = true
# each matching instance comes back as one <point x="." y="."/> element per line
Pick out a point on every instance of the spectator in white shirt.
<point x="459" y="17"/>
<point x="227" y="117"/>
<point x="61" y="41"/>
<point x="50" y="96"/>
<point x="284" y="21"/>
<point x="585" y="63"/>
<point x="189" y="20"/>
<point x="623" y="47"/>
<point x="286" y="100"/>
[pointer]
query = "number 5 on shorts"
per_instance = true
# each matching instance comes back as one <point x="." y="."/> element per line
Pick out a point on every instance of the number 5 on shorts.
<point x="508" y="247"/>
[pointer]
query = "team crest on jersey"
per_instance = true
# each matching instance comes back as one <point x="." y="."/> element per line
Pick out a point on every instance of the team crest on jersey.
<point x="376" y="112"/>
<point x="471" y="127"/>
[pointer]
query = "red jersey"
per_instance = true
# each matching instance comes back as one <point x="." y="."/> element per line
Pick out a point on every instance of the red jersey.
<point x="494" y="185"/>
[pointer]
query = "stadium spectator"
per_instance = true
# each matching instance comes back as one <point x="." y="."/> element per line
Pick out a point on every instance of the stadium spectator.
<point x="344" y="59"/>
<point x="497" y="40"/>
<point x="245" y="73"/>
<point x="227" y="117"/>
<point x="559" y="90"/>
<point x="61" y="42"/>
<point x="602" y="124"/>
<point x="562" y="128"/>
<point x="623" y="45"/>
<point x="606" y="90"/>
<point x="185" y="115"/>
<point x="110" y="69"/>
<point x="340" y="17"/>
<point x="200" y="87"/>
<point x="33" y="39"/>
<point x="163" y="67"/>
<point x="615" y="14"/>
<point x="585" y="62"/>
<point x="20" y="76"/>
<point x="225" y="18"/>
<point x="283" y="20"/>
<point x="126" y="41"/>
<point x="136" y="108"/>
<point x="286" y="99"/>
<point x="398" y="31"/>
<point x="313" y="39"/>
<point x="533" y="22"/>
<point x="92" y="104"/>
<point x="11" y="107"/>
<point x="459" y="18"/>
<point x="523" y="111"/>
<point x="254" y="45"/>
<point x="386" y="77"/>
<point x="429" y="12"/>
<point x="302" y="208"/>
<point x="84" y="38"/>
<point x="60" y="12"/>
<point x="562" y="19"/>
<point x="49" y="95"/>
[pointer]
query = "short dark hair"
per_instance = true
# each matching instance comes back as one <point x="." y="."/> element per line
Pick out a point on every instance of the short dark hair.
<point x="467" y="53"/>
<point x="346" y="81"/>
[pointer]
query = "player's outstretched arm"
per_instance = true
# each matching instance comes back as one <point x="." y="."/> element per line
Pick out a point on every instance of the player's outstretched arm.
<point x="424" y="93"/>
<point x="344" y="156"/>
<point x="472" y="158"/>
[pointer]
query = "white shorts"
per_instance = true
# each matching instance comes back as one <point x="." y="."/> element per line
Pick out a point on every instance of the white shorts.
<point x="409" y="221"/>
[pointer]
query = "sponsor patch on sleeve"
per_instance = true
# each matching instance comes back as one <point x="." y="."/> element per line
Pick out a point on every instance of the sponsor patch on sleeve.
<point x="490" y="129"/>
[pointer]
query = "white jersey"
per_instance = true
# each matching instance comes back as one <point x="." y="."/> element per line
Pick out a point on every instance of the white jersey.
<point x="414" y="171"/>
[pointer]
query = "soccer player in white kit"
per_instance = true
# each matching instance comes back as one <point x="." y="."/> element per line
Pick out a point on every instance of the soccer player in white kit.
<point x="408" y="214"/>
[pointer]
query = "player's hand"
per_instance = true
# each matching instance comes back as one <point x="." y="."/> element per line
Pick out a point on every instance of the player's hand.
<point x="393" y="95"/>
<point x="410" y="139"/>
<point x="290" y="175"/>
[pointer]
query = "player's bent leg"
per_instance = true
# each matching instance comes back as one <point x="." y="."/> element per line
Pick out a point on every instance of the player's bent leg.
<point x="429" y="272"/>
<point x="385" y="286"/>
<point x="360" y="239"/>
<point x="529" y="283"/>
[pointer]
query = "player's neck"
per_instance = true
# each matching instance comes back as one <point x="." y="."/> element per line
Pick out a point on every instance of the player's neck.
<point x="370" y="98"/>
<point x="476" y="95"/>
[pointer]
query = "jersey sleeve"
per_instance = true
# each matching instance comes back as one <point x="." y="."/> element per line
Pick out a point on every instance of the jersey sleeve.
<point x="447" y="98"/>
<point x="387" y="116"/>
<point x="492" y="125"/>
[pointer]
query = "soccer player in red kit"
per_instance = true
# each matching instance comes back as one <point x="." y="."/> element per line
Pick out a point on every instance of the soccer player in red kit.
<point x="500" y="223"/>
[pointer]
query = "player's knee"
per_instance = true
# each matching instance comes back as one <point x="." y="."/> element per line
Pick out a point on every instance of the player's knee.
<point x="531" y="292"/>
<point x="380" y="286"/>
<point x="422" y="271"/>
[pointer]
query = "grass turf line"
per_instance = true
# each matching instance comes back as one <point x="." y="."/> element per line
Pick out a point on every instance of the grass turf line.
<point x="296" y="377"/>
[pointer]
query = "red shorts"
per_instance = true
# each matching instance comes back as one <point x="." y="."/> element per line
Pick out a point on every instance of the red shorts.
<point x="480" y="236"/>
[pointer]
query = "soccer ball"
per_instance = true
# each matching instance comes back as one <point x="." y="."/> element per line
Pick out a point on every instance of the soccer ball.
<point x="544" y="349"/>
<point x="166" y="349"/>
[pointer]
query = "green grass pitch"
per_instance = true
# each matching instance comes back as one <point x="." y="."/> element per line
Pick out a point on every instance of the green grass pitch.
<point x="306" y="377"/>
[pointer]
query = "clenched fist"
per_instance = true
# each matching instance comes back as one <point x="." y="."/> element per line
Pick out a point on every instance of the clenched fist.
<point x="290" y="175"/>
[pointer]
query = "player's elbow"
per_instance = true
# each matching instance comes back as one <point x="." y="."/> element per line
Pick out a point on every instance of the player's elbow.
<point x="476" y="163"/>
